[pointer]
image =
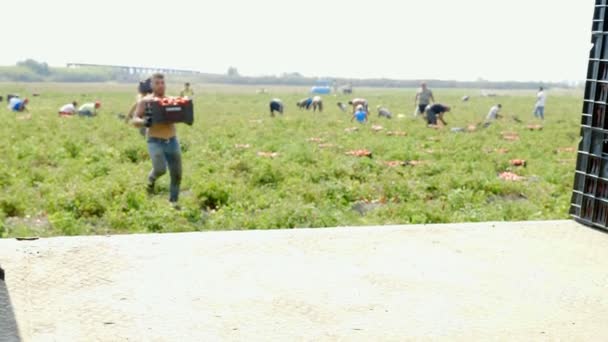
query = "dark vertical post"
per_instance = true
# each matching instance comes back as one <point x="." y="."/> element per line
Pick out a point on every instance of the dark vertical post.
<point x="590" y="196"/>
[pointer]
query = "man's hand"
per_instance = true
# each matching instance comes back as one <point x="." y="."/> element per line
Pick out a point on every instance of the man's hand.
<point x="138" y="122"/>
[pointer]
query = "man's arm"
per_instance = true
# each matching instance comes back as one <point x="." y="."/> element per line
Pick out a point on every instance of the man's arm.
<point x="131" y="113"/>
<point x="140" y="109"/>
<point x="441" y="119"/>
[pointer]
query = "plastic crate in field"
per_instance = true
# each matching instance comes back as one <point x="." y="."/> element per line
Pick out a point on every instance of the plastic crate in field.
<point x="590" y="196"/>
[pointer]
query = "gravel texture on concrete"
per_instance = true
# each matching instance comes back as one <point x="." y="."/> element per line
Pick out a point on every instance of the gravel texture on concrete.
<point x="504" y="281"/>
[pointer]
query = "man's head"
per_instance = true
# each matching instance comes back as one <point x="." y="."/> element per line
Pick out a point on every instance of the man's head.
<point x="158" y="85"/>
<point x="423" y="85"/>
<point x="448" y="109"/>
<point x="499" y="106"/>
<point x="541" y="89"/>
<point x="97" y="104"/>
<point x="145" y="87"/>
<point x="74" y="103"/>
<point x="350" y="102"/>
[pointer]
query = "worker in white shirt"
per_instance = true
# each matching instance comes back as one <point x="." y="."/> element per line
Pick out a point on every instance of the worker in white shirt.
<point x="68" y="109"/>
<point x="541" y="100"/>
<point x="493" y="115"/>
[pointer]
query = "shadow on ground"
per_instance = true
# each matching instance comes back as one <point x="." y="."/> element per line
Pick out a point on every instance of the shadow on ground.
<point x="8" y="325"/>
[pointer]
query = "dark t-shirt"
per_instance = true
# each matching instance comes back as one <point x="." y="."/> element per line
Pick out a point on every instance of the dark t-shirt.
<point x="438" y="108"/>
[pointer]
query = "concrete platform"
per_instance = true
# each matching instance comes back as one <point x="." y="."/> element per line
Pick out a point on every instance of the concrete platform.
<point x="500" y="281"/>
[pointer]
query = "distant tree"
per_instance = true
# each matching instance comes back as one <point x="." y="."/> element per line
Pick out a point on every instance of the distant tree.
<point x="40" y="68"/>
<point x="233" y="72"/>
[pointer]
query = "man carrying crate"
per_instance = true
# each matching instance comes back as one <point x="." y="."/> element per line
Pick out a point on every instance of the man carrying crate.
<point x="163" y="146"/>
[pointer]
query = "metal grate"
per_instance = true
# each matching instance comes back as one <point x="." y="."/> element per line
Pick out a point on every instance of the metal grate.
<point x="590" y="195"/>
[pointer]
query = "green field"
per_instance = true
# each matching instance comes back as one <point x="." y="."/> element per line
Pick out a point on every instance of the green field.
<point x="87" y="176"/>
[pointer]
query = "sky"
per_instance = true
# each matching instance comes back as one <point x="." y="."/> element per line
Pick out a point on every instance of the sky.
<point x="498" y="40"/>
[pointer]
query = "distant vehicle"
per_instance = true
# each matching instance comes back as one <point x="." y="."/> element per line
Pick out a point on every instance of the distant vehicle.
<point x="320" y="90"/>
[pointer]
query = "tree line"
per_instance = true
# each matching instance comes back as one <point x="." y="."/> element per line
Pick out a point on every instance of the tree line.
<point x="33" y="71"/>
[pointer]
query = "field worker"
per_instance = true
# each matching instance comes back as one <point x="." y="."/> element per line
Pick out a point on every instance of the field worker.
<point x="187" y="92"/>
<point x="276" y="105"/>
<point x="424" y="97"/>
<point x="384" y="113"/>
<point x="68" y="109"/>
<point x="360" y="115"/>
<point x="359" y="102"/>
<point x="305" y="103"/>
<point x="342" y="107"/>
<point x="89" y="109"/>
<point x="436" y="112"/>
<point x="18" y="105"/>
<point x="163" y="146"/>
<point x="317" y="103"/>
<point x="541" y="100"/>
<point x="493" y="115"/>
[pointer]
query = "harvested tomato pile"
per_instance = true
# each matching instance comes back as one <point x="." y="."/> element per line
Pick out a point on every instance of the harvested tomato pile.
<point x="396" y="134"/>
<point x="351" y="129"/>
<point x="518" y="162"/>
<point x="268" y="154"/>
<point x="359" y="153"/>
<point x="510" y="136"/>
<point x="510" y="176"/>
<point x="394" y="163"/>
<point x="377" y="128"/>
<point x="535" y="127"/>
<point x="242" y="146"/>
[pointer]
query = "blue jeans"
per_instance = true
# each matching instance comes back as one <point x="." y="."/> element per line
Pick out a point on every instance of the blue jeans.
<point x="539" y="112"/>
<point x="165" y="153"/>
<point x="85" y="113"/>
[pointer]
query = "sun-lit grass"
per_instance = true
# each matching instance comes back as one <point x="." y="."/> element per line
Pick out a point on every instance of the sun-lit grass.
<point x="87" y="176"/>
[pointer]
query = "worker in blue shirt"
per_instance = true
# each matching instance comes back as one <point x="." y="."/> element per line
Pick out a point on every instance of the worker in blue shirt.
<point x="360" y="115"/>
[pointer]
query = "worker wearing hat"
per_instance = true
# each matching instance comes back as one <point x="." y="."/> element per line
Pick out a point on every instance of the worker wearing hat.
<point x="89" y="109"/>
